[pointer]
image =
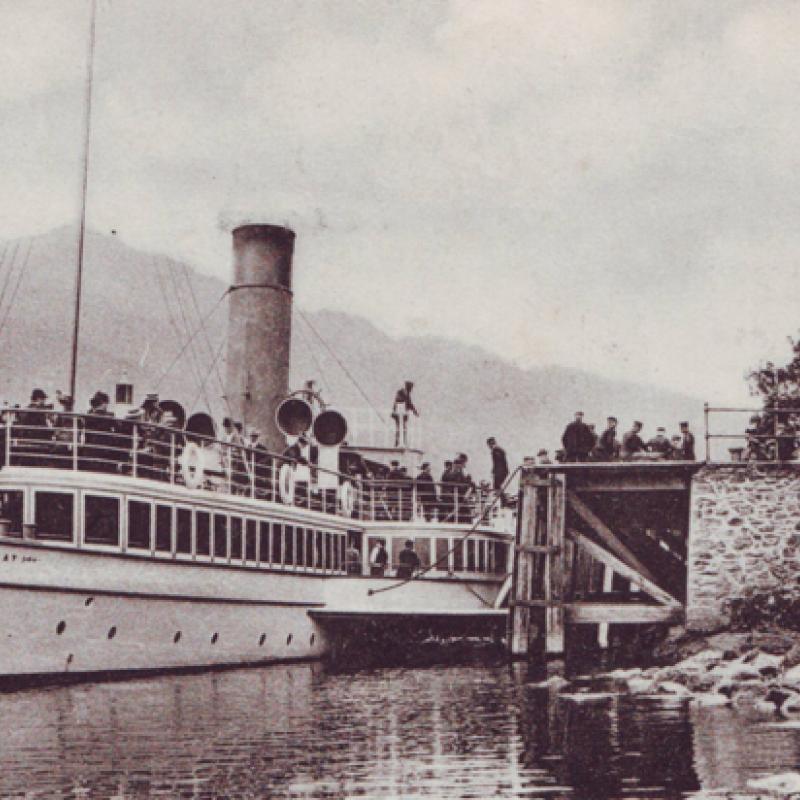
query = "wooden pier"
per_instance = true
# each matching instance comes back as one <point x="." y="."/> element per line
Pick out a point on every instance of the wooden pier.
<point x="597" y="544"/>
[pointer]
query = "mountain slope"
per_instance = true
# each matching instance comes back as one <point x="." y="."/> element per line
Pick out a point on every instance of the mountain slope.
<point x="138" y="306"/>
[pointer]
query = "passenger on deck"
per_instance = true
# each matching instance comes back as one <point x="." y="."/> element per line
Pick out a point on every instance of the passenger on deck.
<point x="676" y="451"/>
<point x="298" y="454"/>
<point x="407" y="561"/>
<point x="98" y="452"/>
<point x="66" y="431"/>
<point x="240" y="472"/>
<point x="543" y="457"/>
<point x="401" y="408"/>
<point x="34" y="420"/>
<point x="659" y="444"/>
<point x="406" y="495"/>
<point x="378" y="559"/>
<point x="352" y="559"/>
<point x="426" y="491"/>
<point x="261" y="465"/>
<point x="608" y="446"/>
<point x="577" y="439"/>
<point x="394" y="489"/>
<point x="499" y="464"/>
<point x="464" y="487"/>
<point x="688" y="442"/>
<point x="631" y="442"/>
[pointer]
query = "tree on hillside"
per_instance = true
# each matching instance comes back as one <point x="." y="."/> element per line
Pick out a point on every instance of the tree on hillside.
<point x="772" y="434"/>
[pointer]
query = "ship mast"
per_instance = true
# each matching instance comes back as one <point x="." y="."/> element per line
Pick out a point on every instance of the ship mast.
<point x="84" y="188"/>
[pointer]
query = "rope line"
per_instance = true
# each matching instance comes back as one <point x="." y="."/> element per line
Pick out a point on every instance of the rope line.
<point x="10" y="271"/>
<point x="208" y="374"/>
<point x="190" y="339"/>
<point x="13" y="297"/>
<point x="343" y="367"/>
<point x="461" y="541"/>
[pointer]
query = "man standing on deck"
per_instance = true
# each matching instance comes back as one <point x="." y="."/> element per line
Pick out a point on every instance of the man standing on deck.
<point x="688" y="442"/>
<point x="407" y="561"/>
<point x="426" y="491"/>
<point x="378" y="559"/>
<point x="608" y="446"/>
<point x="659" y="444"/>
<point x="577" y="439"/>
<point x="631" y="442"/>
<point x="499" y="464"/>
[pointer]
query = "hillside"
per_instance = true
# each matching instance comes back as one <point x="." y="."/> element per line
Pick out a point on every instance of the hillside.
<point x="137" y="308"/>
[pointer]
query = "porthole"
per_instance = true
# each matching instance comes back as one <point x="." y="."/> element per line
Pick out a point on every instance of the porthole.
<point x="177" y="637"/>
<point x="61" y="627"/>
<point x="289" y="639"/>
<point x="112" y="631"/>
<point x="214" y="638"/>
<point x="311" y="641"/>
<point x="262" y="639"/>
<point x="88" y="601"/>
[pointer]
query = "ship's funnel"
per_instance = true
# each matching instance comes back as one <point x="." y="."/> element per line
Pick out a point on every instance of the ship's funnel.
<point x="260" y="327"/>
<point x="294" y="416"/>
<point x="330" y="428"/>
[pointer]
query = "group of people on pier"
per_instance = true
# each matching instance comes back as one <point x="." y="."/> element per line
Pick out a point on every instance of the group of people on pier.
<point x="581" y="442"/>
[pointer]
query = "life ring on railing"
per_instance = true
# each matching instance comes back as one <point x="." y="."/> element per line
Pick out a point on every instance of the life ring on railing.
<point x="192" y="463"/>
<point x="347" y="498"/>
<point x="286" y="484"/>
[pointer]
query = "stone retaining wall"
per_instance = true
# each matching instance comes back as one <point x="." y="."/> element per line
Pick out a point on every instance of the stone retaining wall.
<point x="744" y="537"/>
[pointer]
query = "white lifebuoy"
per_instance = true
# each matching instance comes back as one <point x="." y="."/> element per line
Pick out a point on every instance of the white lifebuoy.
<point x="286" y="484"/>
<point x="347" y="498"/>
<point x="192" y="463"/>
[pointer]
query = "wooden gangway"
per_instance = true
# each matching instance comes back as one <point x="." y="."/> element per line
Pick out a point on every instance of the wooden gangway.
<point x="598" y="544"/>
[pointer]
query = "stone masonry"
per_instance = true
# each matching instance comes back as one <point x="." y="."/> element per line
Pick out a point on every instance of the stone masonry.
<point x="744" y="537"/>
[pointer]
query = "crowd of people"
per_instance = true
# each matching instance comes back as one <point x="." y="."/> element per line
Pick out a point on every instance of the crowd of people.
<point x="581" y="442"/>
<point x="771" y="436"/>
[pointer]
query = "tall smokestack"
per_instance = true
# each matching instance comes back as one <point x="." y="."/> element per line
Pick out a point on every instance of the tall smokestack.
<point x="260" y="327"/>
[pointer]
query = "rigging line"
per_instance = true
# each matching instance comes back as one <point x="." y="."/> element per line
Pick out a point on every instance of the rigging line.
<point x="314" y="358"/>
<point x="196" y="331"/>
<point x="10" y="271"/>
<point x="163" y="290"/>
<point x="213" y="363"/>
<point x="458" y="544"/>
<point x="194" y="359"/>
<point x="343" y="367"/>
<point x="6" y="245"/>
<point x="20" y="275"/>
<point x="206" y="337"/>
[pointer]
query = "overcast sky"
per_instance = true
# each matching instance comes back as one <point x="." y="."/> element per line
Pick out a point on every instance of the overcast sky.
<point x="610" y="186"/>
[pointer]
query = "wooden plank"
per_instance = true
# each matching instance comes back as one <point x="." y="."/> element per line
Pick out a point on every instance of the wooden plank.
<point x="607" y="536"/>
<point x="554" y="579"/>
<point x="621" y="613"/>
<point x="505" y="591"/>
<point x="519" y="618"/>
<point x="631" y="484"/>
<point x="602" y="628"/>
<point x="536" y="602"/>
<point x="620" y="567"/>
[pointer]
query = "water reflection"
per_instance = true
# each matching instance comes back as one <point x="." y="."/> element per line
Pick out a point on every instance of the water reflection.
<point x="300" y="732"/>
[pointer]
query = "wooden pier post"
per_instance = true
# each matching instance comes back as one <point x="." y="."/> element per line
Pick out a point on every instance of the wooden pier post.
<point x="520" y="633"/>
<point x="554" y="578"/>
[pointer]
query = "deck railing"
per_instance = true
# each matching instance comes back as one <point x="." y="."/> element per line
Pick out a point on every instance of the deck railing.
<point x="105" y="444"/>
<point x="760" y="434"/>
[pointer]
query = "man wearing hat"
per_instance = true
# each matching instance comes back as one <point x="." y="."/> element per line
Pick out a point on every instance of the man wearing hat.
<point x="99" y="452"/>
<point x="426" y="491"/>
<point x="260" y="457"/>
<point x="577" y="439"/>
<point x="378" y="559"/>
<point x="688" y="442"/>
<point x="407" y="562"/>
<point x="631" y="442"/>
<point x="499" y="464"/>
<point x="608" y="446"/>
<point x="660" y="444"/>
<point x="33" y="425"/>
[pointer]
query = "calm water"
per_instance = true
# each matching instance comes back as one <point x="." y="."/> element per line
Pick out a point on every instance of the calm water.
<point x="299" y="732"/>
